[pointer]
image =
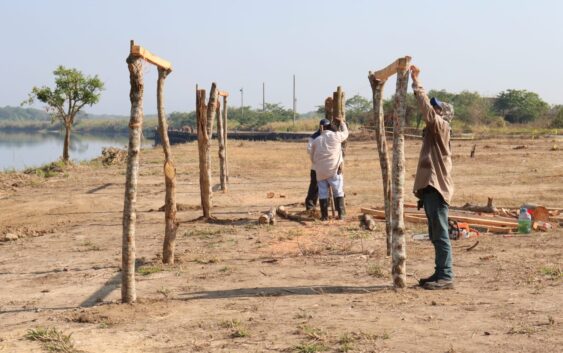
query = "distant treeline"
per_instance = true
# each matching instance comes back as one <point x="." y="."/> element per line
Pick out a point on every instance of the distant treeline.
<point x="471" y="109"/>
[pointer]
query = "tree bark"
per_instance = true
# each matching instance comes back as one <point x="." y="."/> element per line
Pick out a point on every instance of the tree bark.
<point x="128" y="294"/>
<point x="381" y="141"/>
<point x="221" y="143"/>
<point x="66" y="145"/>
<point x="398" y="252"/>
<point x="205" y="117"/>
<point x="171" y="226"/>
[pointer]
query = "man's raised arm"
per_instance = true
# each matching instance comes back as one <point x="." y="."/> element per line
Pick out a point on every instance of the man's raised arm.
<point x="428" y="112"/>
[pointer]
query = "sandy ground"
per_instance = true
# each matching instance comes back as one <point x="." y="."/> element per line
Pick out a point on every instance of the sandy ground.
<point x="240" y="287"/>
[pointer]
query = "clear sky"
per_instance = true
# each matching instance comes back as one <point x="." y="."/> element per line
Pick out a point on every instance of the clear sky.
<point x="477" y="45"/>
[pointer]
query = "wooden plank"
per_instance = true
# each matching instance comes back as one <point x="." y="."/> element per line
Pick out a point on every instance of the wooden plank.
<point x="492" y="226"/>
<point x="390" y="69"/>
<point x="137" y="50"/>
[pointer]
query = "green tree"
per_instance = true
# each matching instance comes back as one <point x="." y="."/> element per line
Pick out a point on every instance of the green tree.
<point x="181" y="119"/>
<point x="557" y="122"/>
<point x="519" y="106"/>
<point x="358" y="109"/>
<point x="72" y="92"/>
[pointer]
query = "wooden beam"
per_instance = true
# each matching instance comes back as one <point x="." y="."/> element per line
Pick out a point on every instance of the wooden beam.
<point x="391" y="69"/>
<point x="492" y="226"/>
<point x="137" y="50"/>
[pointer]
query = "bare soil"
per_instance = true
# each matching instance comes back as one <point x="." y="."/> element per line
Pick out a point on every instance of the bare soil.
<point x="240" y="287"/>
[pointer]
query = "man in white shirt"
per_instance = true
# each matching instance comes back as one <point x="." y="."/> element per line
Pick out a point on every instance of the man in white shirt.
<point x="326" y="155"/>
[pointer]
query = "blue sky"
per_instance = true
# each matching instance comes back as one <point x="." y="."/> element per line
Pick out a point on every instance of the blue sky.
<point x="483" y="46"/>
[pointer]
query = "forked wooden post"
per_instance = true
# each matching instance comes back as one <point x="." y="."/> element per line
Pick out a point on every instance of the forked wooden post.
<point x="135" y="65"/>
<point x="205" y="116"/>
<point x="393" y="181"/>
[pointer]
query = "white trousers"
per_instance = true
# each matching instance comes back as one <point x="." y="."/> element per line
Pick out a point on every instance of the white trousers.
<point x="336" y="183"/>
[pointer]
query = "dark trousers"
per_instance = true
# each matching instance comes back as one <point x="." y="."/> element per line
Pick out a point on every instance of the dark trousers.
<point x="437" y="213"/>
<point x="313" y="193"/>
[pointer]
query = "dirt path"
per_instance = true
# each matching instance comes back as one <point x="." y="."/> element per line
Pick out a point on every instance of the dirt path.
<point x="240" y="287"/>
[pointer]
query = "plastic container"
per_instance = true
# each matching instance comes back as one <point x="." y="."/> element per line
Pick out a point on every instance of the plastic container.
<point x="524" y="221"/>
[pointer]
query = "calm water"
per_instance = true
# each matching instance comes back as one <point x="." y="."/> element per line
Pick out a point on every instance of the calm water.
<point x="22" y="150"/>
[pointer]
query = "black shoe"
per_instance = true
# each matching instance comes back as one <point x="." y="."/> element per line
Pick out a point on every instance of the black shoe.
<point x="340" y="207"/>
<point x="439" y="284"/>
<point x="427" y="279"/>
<point x="324" y="209"/>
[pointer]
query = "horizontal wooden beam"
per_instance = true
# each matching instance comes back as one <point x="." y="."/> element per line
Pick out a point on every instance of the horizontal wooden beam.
<point x="223" y="93"/>
<point x="391" y="69"/>
<point x="137" y="50"/>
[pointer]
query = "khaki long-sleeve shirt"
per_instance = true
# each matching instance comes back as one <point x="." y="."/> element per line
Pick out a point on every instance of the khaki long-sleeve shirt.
<point x="326" y="152"/>
<point x="435" y="161"/>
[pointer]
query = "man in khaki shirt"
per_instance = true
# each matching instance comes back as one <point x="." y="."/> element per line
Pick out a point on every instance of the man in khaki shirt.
<point x="433" y="183"/>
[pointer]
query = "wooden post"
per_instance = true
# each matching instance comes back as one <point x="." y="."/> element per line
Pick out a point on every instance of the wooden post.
<point x="135" y="65"/>
<point x="381" y="141"/>
<point x="221" y="143"/>
<point x="226" y="135"/>
<point x="171" y="226"/>
<point x="399" y="253"/>
<point x="205" y="115"/>
<point x="328" y="108"/>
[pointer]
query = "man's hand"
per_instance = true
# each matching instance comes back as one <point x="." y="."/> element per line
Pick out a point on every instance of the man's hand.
<point x="415" y="71"/>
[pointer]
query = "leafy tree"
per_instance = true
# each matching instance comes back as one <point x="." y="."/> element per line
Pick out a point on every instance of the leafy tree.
<point x="557" y="122"/>
<point x="519" y="106"/>
<point x="72" y="92"/>
<point x="358" y="109"/>
<point x="181" y="119"/>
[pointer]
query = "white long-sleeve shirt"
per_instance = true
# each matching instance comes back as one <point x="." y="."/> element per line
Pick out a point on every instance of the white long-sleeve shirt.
<point x="326" y="152"/>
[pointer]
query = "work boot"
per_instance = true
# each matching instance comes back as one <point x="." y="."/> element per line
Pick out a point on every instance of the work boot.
<point x="310" y="204"/>
<point x="432" y="278"/>
<point x="439" y="284"/>
<point x="340" y="207"/>
<point x="324" y="209"/>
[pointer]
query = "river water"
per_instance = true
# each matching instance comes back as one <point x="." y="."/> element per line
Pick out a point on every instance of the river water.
<point x="23" y="150"/>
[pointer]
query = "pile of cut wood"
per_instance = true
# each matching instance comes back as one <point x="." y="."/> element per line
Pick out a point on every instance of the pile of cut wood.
<point x="488" y="219"/>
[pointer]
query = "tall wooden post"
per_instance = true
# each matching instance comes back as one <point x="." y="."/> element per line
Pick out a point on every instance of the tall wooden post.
<point x="225" y="117"/>
<point x="381" y="141"/>
<point x="221" y="152"/>
<point x="205" y="116"/>
<point x="135" y="65"/>
<point x="171" y="226"/>
<point x="399" y="251"/>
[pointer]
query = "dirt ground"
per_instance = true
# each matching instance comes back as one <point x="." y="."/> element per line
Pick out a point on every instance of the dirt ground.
<point x="240" y="287"/>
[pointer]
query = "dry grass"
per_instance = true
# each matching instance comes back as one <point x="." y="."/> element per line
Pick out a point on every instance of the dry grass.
<point x="51" y="339"/>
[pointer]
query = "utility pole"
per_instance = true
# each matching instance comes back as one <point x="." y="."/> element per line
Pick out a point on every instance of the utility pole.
<point x="294" y="99"/>
<point x="263" y="96"/>
<point x="242" y="103"/>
